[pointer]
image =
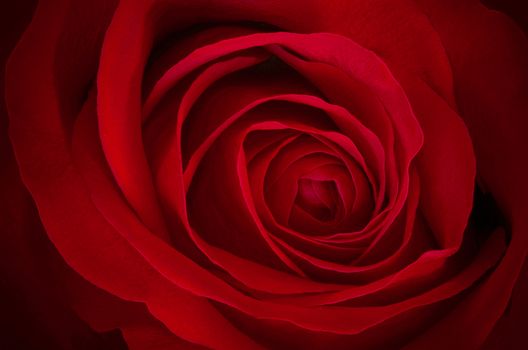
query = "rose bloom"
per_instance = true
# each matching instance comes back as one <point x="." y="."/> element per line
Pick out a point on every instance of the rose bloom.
<point x="239" y="174"/>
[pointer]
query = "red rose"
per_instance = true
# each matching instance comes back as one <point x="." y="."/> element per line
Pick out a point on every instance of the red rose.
<point x="252" y="174"/>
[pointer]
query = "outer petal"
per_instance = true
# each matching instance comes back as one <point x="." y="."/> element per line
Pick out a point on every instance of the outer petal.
<point x="488" y="55"/>
<point x="86" y="239"/>
<point x="34" y="313"/>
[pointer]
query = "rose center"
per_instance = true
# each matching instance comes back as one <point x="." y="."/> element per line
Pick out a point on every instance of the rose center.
<point x="319" y="198"/>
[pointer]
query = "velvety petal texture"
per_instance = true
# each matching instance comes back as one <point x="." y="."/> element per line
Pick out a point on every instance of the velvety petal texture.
<point x="220" y="174"/>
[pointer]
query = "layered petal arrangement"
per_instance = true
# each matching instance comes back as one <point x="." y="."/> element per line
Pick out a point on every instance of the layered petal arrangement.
<point x="282" y="175"/>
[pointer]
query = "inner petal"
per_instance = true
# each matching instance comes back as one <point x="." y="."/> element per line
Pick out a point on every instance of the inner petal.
<point x="319" y="198"/>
